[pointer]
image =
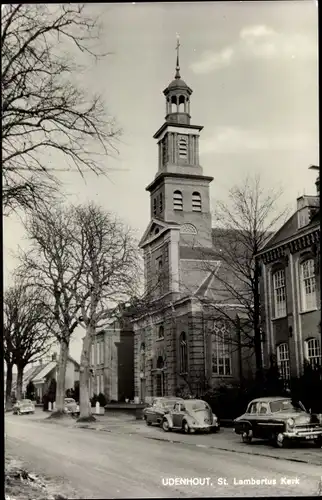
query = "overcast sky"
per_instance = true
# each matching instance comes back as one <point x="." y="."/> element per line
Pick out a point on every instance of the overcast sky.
<point x="254" y="74"/>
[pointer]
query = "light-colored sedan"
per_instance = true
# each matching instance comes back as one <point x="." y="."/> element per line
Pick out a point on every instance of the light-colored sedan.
<point x="154" y="413"/>
<point x="190" y="415"/>
<point x="23" y="406"/>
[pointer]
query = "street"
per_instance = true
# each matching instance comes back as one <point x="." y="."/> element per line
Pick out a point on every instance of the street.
<point x="90" y="464"/>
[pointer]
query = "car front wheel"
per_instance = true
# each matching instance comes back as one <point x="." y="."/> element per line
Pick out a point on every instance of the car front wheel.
<point x="247" y="437"/>
<point x="279" y="440"/>
<point x="186" y="427"/>
<point x="165" y="425"/>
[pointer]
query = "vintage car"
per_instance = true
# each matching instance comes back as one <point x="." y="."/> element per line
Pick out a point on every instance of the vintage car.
<point x="190" y="415"/>
<point x="71" y="406"/>
<point x="23" y="406"/>
<point x="278" y="419"/>
<point x="154" y="413"/>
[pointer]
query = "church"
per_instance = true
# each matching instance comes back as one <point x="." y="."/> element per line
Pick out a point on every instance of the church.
<point x="180" y="345"/>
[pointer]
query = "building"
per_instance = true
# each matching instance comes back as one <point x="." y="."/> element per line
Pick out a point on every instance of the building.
<point x="290" y="289"/>
<point x="112" y="360"/>
<point x="41" y="374"/>
<point x="179" y="342"/>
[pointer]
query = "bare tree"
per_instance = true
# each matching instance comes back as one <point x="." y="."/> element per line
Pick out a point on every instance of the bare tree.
<point x="246" y="222"/>
<point x="50" y="266"/>
<point x="109" y="277"/>
<point x="27" y="332"/>
<point x="44" y="109"/>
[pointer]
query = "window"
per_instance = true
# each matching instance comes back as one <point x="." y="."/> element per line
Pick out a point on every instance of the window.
<point x="102" y="383"/>
<point x="164" y="152"/>
<point x="264" y="408"/>
<point x="308" y="285"/>
<point x="93" y="355"/>
<point x="279" y="293"/>
<point x="196" y="202"/>
<point x="183" y="358"/>
<point x="253" y="408"/>
<point x="283" y="361"/>
<point x="154" y="206"/>
<point x="102" y="353"/>
<point x="177" y="200"/>
<point x="161" y="332"/>
<point x="183" y="148"/>
<point x="98" y="387"/>
<point x="221" y="350"/>
<point x="161" y="202"/>
<point x="313" y="352"/>
<point x="98" y="352"/>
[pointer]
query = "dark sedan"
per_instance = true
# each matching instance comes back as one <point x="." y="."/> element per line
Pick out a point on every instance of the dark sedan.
<point x="279" y="420"/>
<point x="154" y="413"/>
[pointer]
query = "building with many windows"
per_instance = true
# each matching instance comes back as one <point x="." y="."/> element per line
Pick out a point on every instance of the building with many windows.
<point x="179" y="341"/>
<point x="112" y="360"/>
<point x="291" y="290"/>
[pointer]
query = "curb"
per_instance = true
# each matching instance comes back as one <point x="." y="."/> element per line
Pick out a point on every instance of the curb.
<point x="276" y="457"/>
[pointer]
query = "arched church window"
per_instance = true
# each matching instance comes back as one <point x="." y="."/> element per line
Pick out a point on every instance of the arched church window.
<point x="183" y="354"/>
<point x="177" y="200"/>
<point x="181" y="104"/>
<point x="173" y="104"/>
<point x="161" y="203"/>
<point x="183" y="147"/>
<point x="196" y="202"/>
<point x="161" y="332"/>
<point x="164" y="152"/>
<point x="154" y="207"/>
<point x="188" y="229"/>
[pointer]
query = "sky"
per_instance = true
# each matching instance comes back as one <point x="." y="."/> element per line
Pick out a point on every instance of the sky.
<point x="253" y="68"/>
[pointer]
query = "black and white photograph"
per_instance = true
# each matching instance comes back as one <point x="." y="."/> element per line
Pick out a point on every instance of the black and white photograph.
<point x="161" y="250"/>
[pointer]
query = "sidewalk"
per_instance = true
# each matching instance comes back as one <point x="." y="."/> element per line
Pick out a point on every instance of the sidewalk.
<point x="225" y="440"/>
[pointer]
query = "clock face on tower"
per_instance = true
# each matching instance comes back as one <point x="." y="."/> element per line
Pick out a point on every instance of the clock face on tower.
<point x="183" y="147"/>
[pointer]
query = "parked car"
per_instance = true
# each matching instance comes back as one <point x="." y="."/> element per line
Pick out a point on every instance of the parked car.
<point x="190" y="415"/>
<point x="278" y="420"/>
<point x="23" y="406"/>
<point x="70" y="406"/>
<point x="154" y="413"/>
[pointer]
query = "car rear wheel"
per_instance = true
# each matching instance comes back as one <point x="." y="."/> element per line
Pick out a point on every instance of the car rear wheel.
<point x="318" y="442"/>
<point x="186" y="427"/>
<point x="165" y="425"/>
<point x="148" y="422"/>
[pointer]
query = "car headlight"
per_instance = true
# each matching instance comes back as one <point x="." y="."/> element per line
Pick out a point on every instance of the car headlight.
<point x="214" y="419"/>
<point x="65" y="408"/>
<point x="290" y="422"/>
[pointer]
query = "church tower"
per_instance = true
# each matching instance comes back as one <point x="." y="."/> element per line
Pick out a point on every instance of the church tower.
<point x="180" y="192"/>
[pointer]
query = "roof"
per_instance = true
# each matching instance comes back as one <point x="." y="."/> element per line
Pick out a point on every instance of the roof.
<point x="272" y="398"/>
<point x="196" y="253"/>
<point x="178" y="83"/>
<point x="44" y="372"/>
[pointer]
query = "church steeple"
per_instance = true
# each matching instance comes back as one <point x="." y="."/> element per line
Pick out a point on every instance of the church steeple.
<point x="177" y="75"/>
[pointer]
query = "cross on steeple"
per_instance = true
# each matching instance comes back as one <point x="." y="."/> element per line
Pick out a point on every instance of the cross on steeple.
<point x="178" y="65"/>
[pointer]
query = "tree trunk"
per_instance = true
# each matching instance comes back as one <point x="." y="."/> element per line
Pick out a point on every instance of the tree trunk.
<point x="61" y="377"/>
<point x="9" y="385"/>
<point x="257" y="329"/>
<point x="85" y="414"/>
<point x="20" y="369"/>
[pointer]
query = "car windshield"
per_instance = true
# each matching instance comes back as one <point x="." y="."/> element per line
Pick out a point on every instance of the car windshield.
<point x="283" y="405"/>
<point x="169" y="404"/>
<point x="196" y="405"/>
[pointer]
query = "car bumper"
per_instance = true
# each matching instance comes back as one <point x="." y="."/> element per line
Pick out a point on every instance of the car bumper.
<point x="303" y="435"/>
<point x="206" y="428"/>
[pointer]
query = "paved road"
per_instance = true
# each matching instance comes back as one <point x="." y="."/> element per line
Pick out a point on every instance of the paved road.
<point x="90" y="464"/>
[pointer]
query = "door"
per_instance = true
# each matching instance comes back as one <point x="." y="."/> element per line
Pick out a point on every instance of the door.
<point x="178" y="413"/>
<point x="263" y="420"/>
